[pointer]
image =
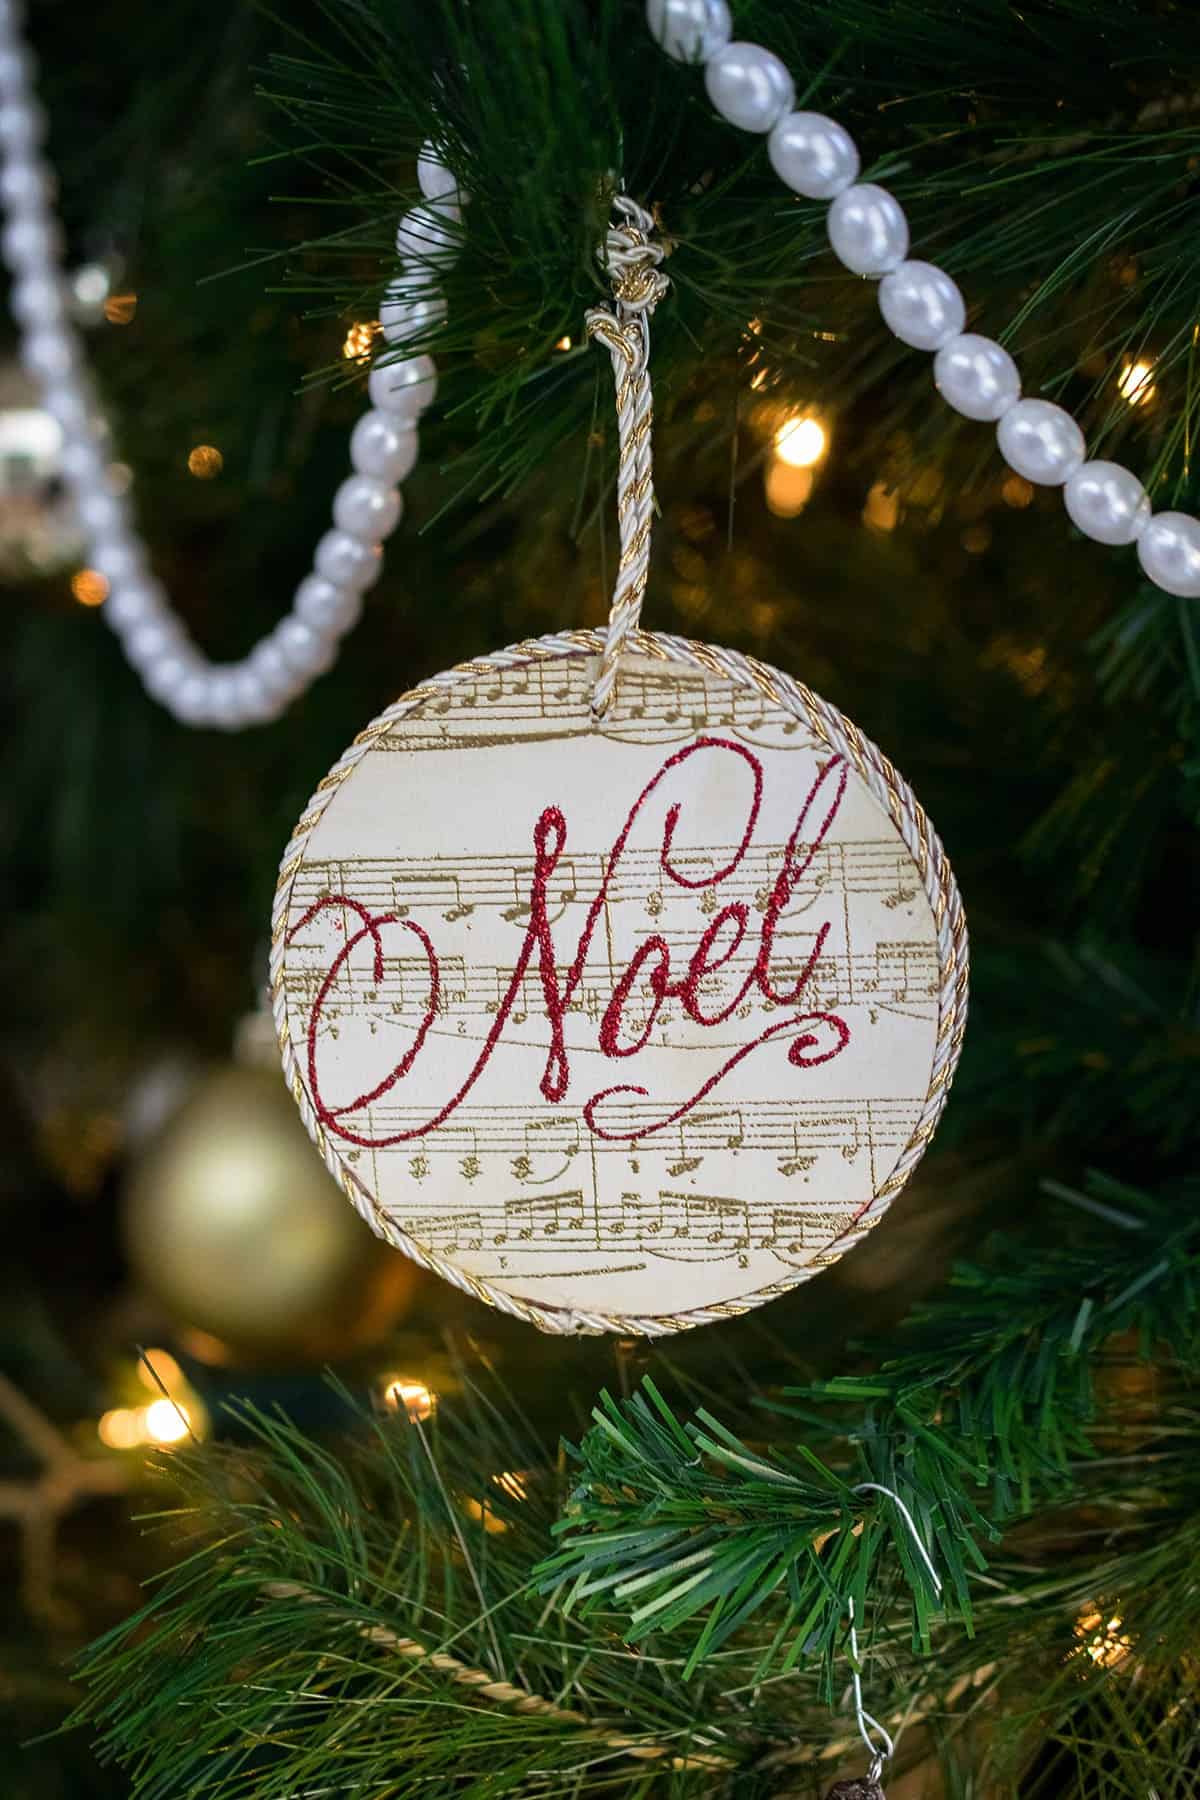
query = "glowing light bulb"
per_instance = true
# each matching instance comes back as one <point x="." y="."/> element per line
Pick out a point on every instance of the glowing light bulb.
<point x="166" y="1422"/>
<point x="801" y="442"/>
<point x="157" y="1369"/>
<point x="120" y="308"/>
<point x="89" y="587"/>
<point x="205" y="461"/>
<point x="120" y="1429"/>
<point x="1102" y="1640"/>
<point x="882" y="509"/>
<point x="564" y="343"/>
<point x="1134" y="383"/>
<point x="788" y="488"/>
<point x="405" y="1393"/>
<point x="359" y="338"/>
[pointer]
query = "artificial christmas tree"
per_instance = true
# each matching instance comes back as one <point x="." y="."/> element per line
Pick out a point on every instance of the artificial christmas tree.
<point x="668" y="1602"/>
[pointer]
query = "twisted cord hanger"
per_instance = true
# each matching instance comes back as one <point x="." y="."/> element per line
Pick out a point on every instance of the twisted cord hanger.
<point x="632" y="258"/>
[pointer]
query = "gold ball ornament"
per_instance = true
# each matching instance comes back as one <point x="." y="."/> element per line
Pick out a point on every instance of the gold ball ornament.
<point x="235" y="1228"/>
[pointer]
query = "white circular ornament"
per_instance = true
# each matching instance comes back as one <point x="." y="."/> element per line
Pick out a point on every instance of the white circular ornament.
<point x="627" y="1023"/>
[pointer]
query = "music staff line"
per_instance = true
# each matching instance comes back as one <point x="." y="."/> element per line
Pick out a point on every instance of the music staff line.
<point x="650" y="707"/>
<point x="893" y="974"/>
<point x="798" y="1129"/>
<point x="670" y="1223"/>
<point x="458" y="887"/>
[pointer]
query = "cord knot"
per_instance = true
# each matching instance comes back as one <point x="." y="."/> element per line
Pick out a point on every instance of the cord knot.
<point x="632" y="257"/>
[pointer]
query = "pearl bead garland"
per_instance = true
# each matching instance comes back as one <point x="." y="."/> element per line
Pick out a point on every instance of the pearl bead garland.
<point x="920" y="304"/>
<point x="813" y="155"/>
<point x="366" y="508"/>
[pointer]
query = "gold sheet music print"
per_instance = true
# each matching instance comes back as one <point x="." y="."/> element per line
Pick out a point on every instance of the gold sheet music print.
<point x="624" y="1024"/>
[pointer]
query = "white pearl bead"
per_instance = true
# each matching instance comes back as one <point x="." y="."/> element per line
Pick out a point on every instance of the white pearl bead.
<point x="691" y="31"/>
<point x="328" y="609"/>
<point x="402" y="318"/>
<point x="306" y="651"/>
<point x="1041" y="442"/>
<point x="83" y="463"/>
<point x="251" y="699"/>
<point x="346" y="561"/>
<point x="814" y="155"/>
<point x="37" y="300"/>
<point x="749" y="86"/>
<point x="119" y="557"/>
<point x="31" y="244"/>
<point x="22" y="125"/>
<point x="271" y="669"/>
<point x="427" y="234"/>
<point x="1107" y="502"/>
<point x="434" y="178"/>
<point x="100" y="511"/>
<point x="49" y="353"/>
<point x="224" y="709"/>
<point x="403" y="389"/>
<point x="191" y="699"/>
<point x="1169" y="552"/>
<point x="135" y="602"/>
<point x="976" y="377"/>
<point x="384" y="446"/>
<point x="868" y="229"/>
<point x="921" y="305"/>
<point x="366" y="508"/>
<point x="25" y="186"/>
<point x="67" y="402"/>
<point x="146" y="645"/>
<point x="16" y="71"/>
<point x="165" y="675"/>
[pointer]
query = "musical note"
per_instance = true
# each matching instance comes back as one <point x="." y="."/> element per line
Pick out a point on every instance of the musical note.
<point x="561" y="1215"/>
<point x="427" y="886"/>
<point x="703" y="1227"/>
<point x="555" y="1140"/>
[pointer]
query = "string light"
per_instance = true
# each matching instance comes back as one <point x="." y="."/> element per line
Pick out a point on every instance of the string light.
<point x="173" y="1414"/>
<point x="120" y="308"/>
<point x="404" y="1392"/>
<point x="157" y="1369"/>
<point x="480" y="1513"/>
<point x="163" y="1421"/>
<point x="512" y="1483"/>
<point x="801" y="442"/>
<point x="882" y="510"/>
<point x="1134" y="383"/>
<point x="564" y="343"/>
<point x="166" y="1421"/>
<point x="1101" y="1640"/>
<point x="91" y="285"/>
<point x="359" y="339"/>
<point x="120" y="1429"/>
<point x="1016" y="491"/>
<point x="89" y="587"/>
<point x="787" y="488"/>
<point x="205" y="461"/>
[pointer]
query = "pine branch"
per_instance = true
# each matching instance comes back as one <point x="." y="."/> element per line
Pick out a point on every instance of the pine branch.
<point x="678" y="1523"/>
<point x="992" y="1392"/>
<point x="1023" y="151"/>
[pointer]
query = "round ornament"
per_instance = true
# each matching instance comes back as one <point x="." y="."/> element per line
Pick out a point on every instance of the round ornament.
<point x="233" y="1226"/>
<point x="624" y="1020"/>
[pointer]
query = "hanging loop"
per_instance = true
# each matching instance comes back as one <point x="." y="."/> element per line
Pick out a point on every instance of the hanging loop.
<point x="632" y="259"/>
